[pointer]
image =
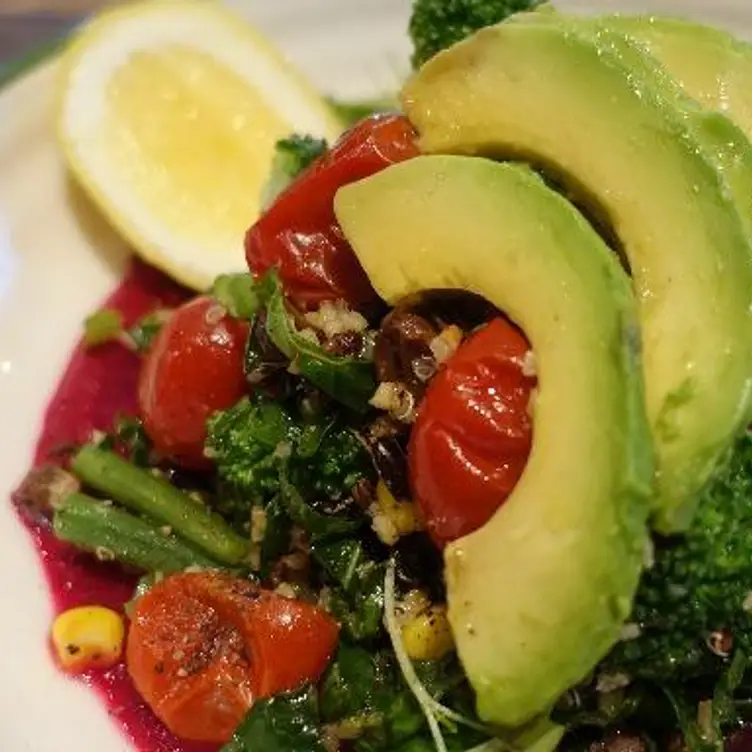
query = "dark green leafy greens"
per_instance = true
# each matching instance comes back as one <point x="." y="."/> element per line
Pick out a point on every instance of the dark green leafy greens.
<point x="292" y="155"/>
<point x="285" y="723"/>
<point x="350" y="381"/>
<point x="704" y="725"/>
<point x="438" y="24"/>
<point x="358" y="598"/>
<point x="318" y="525"/>
<point x="267" y="456"/>
<point x="365" y="692"/>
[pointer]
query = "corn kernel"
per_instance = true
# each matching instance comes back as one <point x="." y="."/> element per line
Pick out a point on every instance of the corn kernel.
<point x="88" y="637"/>
<point x="391" y="518"/>
<point x="413" y="604"/>
<point x="428" y="637"/>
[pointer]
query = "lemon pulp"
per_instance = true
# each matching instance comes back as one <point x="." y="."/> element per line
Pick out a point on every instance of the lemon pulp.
<point x="169" y="104"/>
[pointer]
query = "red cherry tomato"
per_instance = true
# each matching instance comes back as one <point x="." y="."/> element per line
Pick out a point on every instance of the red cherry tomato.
<point x="472" y="437"/>
<point x="203" y="646"/>
<point x="299" y="233"/>
<point x="193" y="369"/>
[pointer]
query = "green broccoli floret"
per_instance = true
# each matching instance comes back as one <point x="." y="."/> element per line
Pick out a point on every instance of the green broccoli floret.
<point x="251" y="442"/>
<point x="292" y="155"/>
<point x="694" y="605"/>
<point x="246" y="443"/>
<point x="438" y="24"/>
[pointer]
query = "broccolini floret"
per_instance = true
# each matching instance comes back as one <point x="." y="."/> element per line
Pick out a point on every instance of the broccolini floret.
<point x="292" y="155"/>
<point x="438" y="24"/>
<point x="252" y="441"/>
<point x="694" y="605"/>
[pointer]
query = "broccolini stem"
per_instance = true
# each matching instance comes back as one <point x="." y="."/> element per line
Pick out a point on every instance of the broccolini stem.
<point x="114" y="534"/>
<point x="142" y="491"/>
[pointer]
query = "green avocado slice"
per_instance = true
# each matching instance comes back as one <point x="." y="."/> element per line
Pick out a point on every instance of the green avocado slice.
<point x="538" y="595"/>
<point x="725" y="143"/>
<point x="711" y="65"/>
<point x="556" y="97"/>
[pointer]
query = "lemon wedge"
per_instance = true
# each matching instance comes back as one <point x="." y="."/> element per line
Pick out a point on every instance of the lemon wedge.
<point x="169" y="113"/>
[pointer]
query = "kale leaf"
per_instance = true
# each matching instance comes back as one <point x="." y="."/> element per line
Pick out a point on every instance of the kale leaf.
<point x="263" y="449"/>
<point x="357" y="601"/>
<point x="284" y="723"/>
<point x="350" y="381"/>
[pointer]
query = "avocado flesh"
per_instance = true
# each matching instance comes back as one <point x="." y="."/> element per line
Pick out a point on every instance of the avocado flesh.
<point x="557" y="98"/>
<point x="712" y="66"/>
<point x="538" y="595"/>
<point x="723" y="141"/>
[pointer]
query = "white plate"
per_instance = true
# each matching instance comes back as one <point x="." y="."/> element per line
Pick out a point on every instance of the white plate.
<point x="58" y="259"/>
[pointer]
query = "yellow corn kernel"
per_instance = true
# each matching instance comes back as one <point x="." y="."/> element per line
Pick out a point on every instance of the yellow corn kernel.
<point x="413" y="604"/>
<point x="88" y="637"/>
<point x="428" y="637"/>
<point x="391" y="518"/>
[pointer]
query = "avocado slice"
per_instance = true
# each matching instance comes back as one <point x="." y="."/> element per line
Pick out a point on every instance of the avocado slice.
<point x="537" y="596"/>
<point x="558" y="98"/>
<point x="711" y="65"/>
<point x="725" y="143"/>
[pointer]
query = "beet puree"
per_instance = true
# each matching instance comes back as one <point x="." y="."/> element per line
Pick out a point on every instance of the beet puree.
<point x="97" y="386"/>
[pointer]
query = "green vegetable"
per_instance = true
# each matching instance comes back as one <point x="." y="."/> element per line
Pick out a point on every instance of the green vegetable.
<point x="113" y="534"/>
<point x="103" y="326"/>
<point x="150" y="494"/>
<point x="358" y="600"/>
<point x="247" y="443"/>
<point x="252" y="440"/>
<point x="284" y="723"/>
<point x="143" y="332"/>
<point x="107" y="326"/>
<point x="350" y="381"/>
<point x="292" y="155"/>
<point x="699" y="583"/>
<point x="333" y="467"/>
<point x="366" y="691"/>
<point x="276" y="534"/>
<point x="318" y="525"/>
<point x="438" y="24"/>
<point x="238" y="294"/>
<point x="129" y="436"/>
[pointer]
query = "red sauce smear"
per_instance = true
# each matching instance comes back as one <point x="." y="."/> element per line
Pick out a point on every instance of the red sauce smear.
<point x="98" y="385"/>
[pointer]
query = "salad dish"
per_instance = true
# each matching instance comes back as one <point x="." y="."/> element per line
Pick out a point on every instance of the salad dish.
<point x="418" y="424"/>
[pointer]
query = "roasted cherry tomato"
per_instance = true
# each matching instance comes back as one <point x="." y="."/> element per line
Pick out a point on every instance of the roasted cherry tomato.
<point x="193" y="369"/>
<point x="299" y="233"/>
<point x="472" y="437"/>
<point x="203" y="646"/>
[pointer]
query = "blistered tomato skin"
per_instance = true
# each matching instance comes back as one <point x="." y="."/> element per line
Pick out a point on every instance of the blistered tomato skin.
<point x="194" y="368"/>
<point x="299" y="233"/>
<point x="472" y="437"/>
<point x="204" y="646"/>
